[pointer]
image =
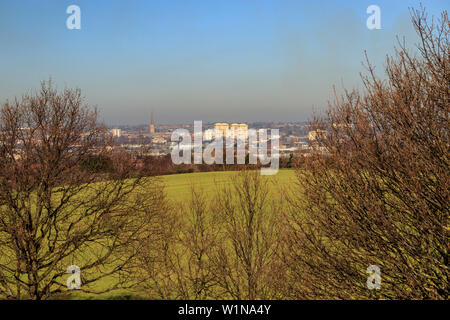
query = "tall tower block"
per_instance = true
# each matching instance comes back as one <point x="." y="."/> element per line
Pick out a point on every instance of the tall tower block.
<point x="152" y="125"/>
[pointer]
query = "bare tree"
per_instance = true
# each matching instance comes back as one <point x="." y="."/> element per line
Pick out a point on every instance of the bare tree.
<point x="376" y="193"/>
<point x="175" y="262"/>
<point x="245" y="259"/>
<point x="155" y="265"/>
<point x="55" y="211"/>
<point x="222" y="245"/>
<point x="198" y="241"/>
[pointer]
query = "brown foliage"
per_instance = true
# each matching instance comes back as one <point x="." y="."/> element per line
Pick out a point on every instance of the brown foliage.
<point x="246" y="252"/>
<point x="55" y="212"/>
<point x="221" y="248"/>
<point x="379" y="195"/>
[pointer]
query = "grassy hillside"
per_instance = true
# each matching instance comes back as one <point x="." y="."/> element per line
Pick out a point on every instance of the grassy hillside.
<point x="178" y="185"/>
<point x="178" y="190"/>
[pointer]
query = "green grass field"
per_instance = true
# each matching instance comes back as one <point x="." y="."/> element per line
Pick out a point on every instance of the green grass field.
<point x="177" y="187"/>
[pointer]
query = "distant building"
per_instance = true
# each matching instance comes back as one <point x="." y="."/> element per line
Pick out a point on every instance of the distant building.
<point x="234" y="126"/>
<point x="235" y="129"/>
<point x="208" y="135"/>
<point x="221" y="129"/>
<point x="158" y="140"/>
<point x="116" y="133"/>
<point x="316" y="134"/>
<point x="239" y="129"/>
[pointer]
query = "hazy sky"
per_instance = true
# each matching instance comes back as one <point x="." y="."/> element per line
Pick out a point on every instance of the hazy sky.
<point x="210" y="60"/>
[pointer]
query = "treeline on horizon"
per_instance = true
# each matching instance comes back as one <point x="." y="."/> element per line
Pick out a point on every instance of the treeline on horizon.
<point x="149" y="165"/>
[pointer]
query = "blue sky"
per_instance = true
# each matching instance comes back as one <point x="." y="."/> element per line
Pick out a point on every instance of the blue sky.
<point x="210" y="60"/>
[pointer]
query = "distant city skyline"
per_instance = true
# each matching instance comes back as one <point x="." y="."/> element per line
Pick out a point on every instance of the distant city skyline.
<point x="229" y="61"/>
<point x="209" y="123"/>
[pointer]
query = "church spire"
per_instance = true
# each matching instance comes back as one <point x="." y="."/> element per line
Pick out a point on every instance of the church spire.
<point x="152" y="124"/>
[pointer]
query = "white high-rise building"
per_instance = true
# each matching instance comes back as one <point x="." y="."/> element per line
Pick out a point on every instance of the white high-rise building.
<point x="116" y="133"/>
<point x="208" y="134"/>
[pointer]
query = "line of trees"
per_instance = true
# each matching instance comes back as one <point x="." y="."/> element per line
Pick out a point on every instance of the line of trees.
<point x="221" y="245"/>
